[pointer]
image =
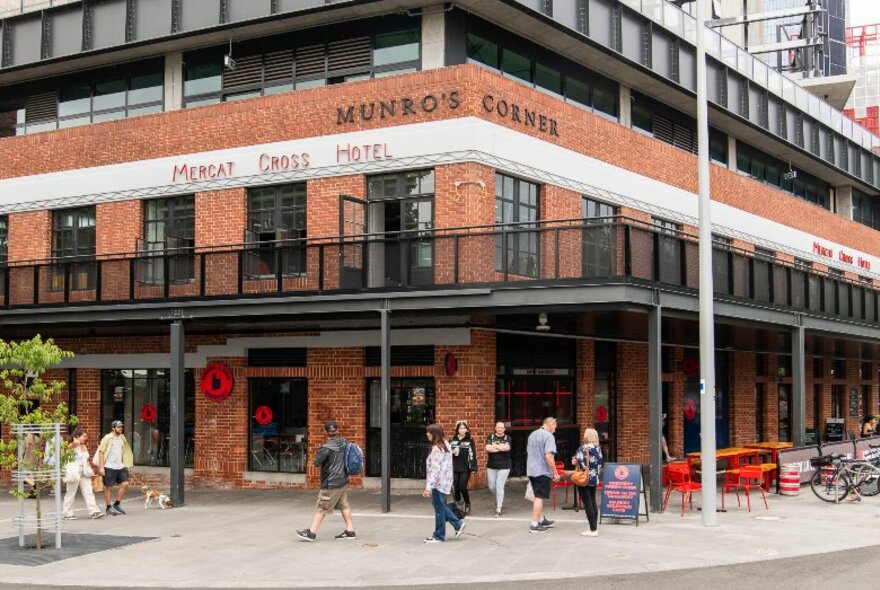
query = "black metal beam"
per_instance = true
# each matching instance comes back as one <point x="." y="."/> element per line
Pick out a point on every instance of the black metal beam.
<point x="655" y="393"/>
<point x="177" y="452"/>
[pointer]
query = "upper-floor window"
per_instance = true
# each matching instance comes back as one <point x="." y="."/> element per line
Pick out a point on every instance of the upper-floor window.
<point x="599" y="238"/>
<point x="780" y="174"/>
<point x="667" y="124"/>
<point x="866" y="209"/>
<point x="90" y="97"/>
<point x="576" y="84"/>
<point x="276" y="230"/>
<point x="169" y="229"/>
<point x="276" y="66"/>
<point x="669" y="252"/>
<point x="73" y="245"/>
<point x="516" y="207"/>
<point x="4" y="239"/>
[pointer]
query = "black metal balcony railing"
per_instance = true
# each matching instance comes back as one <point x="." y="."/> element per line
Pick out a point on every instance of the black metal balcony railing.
<point x="614" y="249"/>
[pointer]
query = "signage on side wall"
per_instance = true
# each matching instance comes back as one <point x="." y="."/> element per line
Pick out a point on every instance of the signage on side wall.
<point x="217" y="382"/>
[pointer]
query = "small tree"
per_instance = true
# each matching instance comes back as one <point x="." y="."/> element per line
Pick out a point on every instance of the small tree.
<point x="24" y="400"/>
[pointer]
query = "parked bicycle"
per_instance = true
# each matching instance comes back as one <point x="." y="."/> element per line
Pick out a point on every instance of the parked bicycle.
<point x="838" y="478"/>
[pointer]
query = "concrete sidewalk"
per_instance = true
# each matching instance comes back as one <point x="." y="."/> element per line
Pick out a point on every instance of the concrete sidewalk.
<point x="245" y="539"/>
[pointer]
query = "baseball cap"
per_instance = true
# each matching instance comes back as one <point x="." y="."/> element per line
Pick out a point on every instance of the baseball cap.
<point x="330" y="427"/>
<point x="116" y="423"/>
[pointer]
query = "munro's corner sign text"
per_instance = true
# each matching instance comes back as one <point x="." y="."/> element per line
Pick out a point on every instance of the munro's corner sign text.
<point x="520" y="114"/>
<point x="391" y="108"/>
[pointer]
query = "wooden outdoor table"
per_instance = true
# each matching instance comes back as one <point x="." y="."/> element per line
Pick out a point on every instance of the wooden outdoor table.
<point x="772" y="447"/>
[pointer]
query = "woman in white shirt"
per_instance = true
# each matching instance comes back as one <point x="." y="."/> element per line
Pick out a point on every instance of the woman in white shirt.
<point x="78" y="474"/>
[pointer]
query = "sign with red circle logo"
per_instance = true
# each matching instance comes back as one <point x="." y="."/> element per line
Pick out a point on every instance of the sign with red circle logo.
<point x="450" y="364"/>
<point x="621" y="472"/>
<point x="217" y="382"/>
<point x="690" y="409"/>
<point x="601" y="414"/>
<point x="689" y="365"/>
<point x="263" y="415"/>
<point x="148" y="413"/>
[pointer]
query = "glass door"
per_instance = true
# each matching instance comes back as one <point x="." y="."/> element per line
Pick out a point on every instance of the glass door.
<point x="409" y="249"/>
<point x="352" y="229"/>
<point x="412" y="409"/>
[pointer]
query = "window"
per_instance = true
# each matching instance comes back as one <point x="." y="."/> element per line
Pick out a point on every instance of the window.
<point x="169" y="228"/>
<point x="91" y="97"/>
<point x="516" y="211"/>
<point x="599" y="239"/>
<point x="4" y="239"/>
<point x="837" y="408"/>
<point x="673" y="127"/>
<point x="576" y="84"/>
<point x="668" y="254"/>
<point x="762" y="274"/>
<point x="721" y="264"/>
<point x="141" y="398"/>
<point x="768" y="169"/>
<point x="277" y="230"/>
<point x="278" y="425"/>
<point x="402" y="207"/>
<point x="866" y="209"/>
<point x="73" y="246"/>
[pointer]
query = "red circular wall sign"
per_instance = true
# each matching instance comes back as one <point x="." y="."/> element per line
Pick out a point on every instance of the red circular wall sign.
<point x="689" y="366"/>
<point x="601" y="414"/>
<point x="217" y="382"/>
<point x="148" y="413"/>
<point x="690" y="409"/>
<point x="263" y="415"/>
<point x="621" y="472"/>
<point x="450" y="364"/>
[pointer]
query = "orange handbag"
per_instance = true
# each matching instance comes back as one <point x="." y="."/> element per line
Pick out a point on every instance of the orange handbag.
<point x="580" y="477"/>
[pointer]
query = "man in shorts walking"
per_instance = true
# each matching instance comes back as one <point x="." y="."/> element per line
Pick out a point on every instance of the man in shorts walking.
<point x="115" y="459"/>
<point x="334" y="485"/>
<point x="541" y="469"/>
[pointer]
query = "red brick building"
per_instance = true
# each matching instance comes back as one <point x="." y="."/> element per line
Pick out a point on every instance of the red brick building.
<point x="514" y="187"/>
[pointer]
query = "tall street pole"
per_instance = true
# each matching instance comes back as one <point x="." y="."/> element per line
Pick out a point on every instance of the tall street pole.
<point x="707" y="312"/>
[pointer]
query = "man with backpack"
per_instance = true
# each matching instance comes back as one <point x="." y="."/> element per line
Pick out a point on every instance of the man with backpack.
<point x="337" y="458"/>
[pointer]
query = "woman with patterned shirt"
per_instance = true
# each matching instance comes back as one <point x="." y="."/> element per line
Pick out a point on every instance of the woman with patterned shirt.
<point x="589" y="459"/>
<point x="439" y="484"/>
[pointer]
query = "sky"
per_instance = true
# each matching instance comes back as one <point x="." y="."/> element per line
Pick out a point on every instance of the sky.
<point x="863" y="12"/>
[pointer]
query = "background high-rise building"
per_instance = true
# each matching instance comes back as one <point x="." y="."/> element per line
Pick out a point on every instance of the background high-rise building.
<point x="863" y="48"/>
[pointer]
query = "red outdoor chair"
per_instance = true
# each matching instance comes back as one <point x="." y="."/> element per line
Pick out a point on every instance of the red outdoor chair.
<point x="565" y="483"/>
<point x="748" y="478"/>
<point x="680" y="481"/>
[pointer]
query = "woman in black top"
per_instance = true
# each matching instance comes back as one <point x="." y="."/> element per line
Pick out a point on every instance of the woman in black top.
<point x="464" y="461"/>
<point x="499" y="463"/>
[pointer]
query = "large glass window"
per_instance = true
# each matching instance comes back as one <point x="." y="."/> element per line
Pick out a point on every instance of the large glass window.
<point x="276" y="231"/>
<point x="773" y="171"/>
<point x="278" y="425"/>
<point x="141" y="398"/>
<point x="516" y="210"/>
<point x="674" y="127"/>
<point x="4" y="239"/>
<point x="866" y="209"/>
<point x="73" y="245"/>
<point x="575" y="83"/>
<point x="599" y="240"/>
<point x="169" y="229"/>
<point x="668" y="256"/>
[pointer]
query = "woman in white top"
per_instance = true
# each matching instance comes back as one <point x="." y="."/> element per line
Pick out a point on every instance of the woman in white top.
<point x="78" y="474"/>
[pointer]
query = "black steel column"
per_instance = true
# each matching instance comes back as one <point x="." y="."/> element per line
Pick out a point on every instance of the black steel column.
<point x="799" y="382"/>
<point x="177" y="451"/>
<point x="386" y="409"/>
<point x="655" y="419"/>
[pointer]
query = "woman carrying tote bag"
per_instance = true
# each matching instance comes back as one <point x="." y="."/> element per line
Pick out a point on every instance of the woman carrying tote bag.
<point x="589" y="460"/>
<point x="78" y="476"/>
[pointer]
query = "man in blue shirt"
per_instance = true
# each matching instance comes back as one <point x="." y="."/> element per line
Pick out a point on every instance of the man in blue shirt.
<point x="541" y="469"/>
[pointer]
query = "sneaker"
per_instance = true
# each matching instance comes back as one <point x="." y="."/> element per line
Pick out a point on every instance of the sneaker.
<point x="460" y="530"/>
<point x="547" y="523"/>
<point x="98" y="514"/>
<point x="306" y="535"/>
<point x="432" y="540"/>
<point x="70" y="517"/>
<point x="118" y="507"/>
<point x="467" y="508"/>
<point x="346" y="535"/>
<point x="111" y="511"/>
<point x="497" y="512"/>
<point x="589" y="533"/>
<point x="537" y="528"/>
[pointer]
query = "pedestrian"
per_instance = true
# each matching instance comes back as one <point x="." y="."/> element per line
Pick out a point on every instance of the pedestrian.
<point x="499" y="463"/>
<point x="663" y="444"/>
<point x="464" y="462"/>
<point x="115" y="460"/>
<point x="869" y="426"/>
<point x="589" y="459"/>
<point x="78" y="474"/>
<point x="334" y="485"/>
<point x="438" y="484"/>
<point x="541" y="469"/>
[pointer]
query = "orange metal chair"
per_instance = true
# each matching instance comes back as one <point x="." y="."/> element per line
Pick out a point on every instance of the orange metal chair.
<point x="746" y="478"/>
<point x="680" y="481"/>
<point x="565" y="483"/>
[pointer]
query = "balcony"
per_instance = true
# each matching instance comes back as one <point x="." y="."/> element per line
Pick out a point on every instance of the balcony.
<point x="559" y="252"/>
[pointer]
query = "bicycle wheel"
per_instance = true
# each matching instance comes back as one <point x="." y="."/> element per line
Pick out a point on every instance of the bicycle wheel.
<point x="829" y="484"/>
<point x="865" y="478"/>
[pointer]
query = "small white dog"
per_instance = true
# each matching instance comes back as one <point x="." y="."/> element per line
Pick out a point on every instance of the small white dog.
<point x="155" y="497"/>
